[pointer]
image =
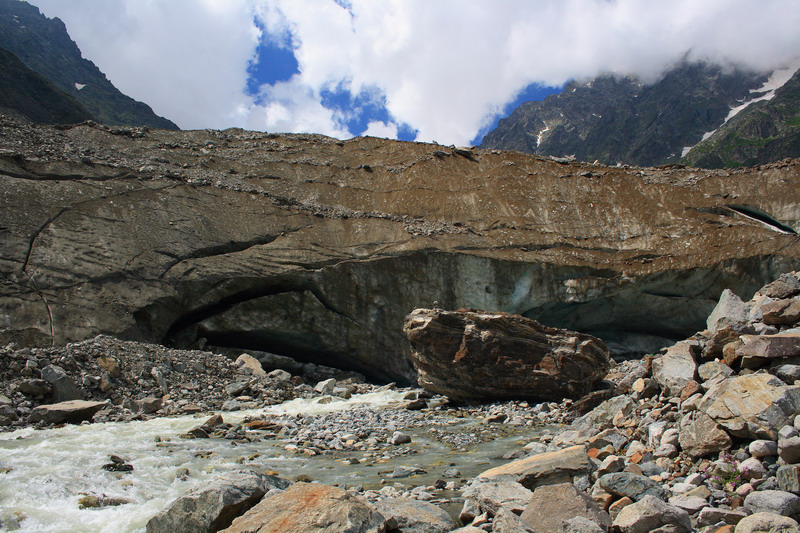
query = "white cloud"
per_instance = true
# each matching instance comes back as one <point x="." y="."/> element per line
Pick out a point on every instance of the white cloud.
<point x="381" y="129"/>
<point x="443" y="67"/>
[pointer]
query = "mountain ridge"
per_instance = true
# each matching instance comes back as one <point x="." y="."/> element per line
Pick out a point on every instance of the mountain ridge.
<point x="44" y="46"/>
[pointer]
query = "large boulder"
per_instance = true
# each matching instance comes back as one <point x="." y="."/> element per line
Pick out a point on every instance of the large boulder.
<point x="547" y="468"/>
<point x="472" y="355"/>
<point x="493" y="494"/>
<point x="675" y="369"/>
<point x="754" y="406"/>
<point x="215" y="504"/>
<point x="652" y="514"/>
<point x="551" y="505"/>
<point x="730" y="311"/>
<point x="73" y="411"/>
<point x="700" y="435"/>
<point x="310" y="508"/>
<point x="415" y="516"/>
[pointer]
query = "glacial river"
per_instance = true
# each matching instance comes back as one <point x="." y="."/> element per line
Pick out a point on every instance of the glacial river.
<point x="44" y="473"/>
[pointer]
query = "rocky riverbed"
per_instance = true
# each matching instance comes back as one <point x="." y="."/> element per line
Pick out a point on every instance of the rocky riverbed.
<point x="700" y="437"/>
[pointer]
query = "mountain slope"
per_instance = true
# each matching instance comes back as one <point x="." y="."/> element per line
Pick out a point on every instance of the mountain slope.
<point x="763" y="132"/>
<point x="621" y="120"/>
<point x="45" y="46"/>
<point x="29" y="95"/>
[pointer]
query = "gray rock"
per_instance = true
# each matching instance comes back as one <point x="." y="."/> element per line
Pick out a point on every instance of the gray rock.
<point x="506" y="521"/>
<point x="712" y="370"/>
<point x="561" y="466"/>
<point x="785" y="286"/>
<point x="752" y="468"/>
<point x="280" y="375"/>
<point x="34" y="387"/>
<point x="690" y="504"/>
<point x="306" y="507"/>
<point x="325" y="386"/>
<point x="551" y="505"/>
<point x="773" y="501"/>
<point x="765" y="522"/>
<point x="631" y="485"/>
<point x="580" y="524"/>
<point x="789" y="478"/>
<point x="752" y="406"/>
<point x="787" y="373"/>
<point x="414" y="516"/>
<point x="161" y="380"/>
<point x="651" y="514"/>
<point x="708" y="516"/>
<point x="64" y="388"/>
<point x="673" y="370"/>
<point x="215" y="504"/>
<point x="789" y="449"/>
<point x="72" y="411"/>
<point x="490" y="495"/>
<point x="729" y="311"/>
<point x="398" y="437"/>
<point x="763" y="448"/>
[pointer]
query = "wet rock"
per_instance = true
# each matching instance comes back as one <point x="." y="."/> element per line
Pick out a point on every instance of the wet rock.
<point x="73" y="411"/>
<point x="773" y="501"/>
<point x="492" y="495"/>
<point x="700" y="435"/>
<point x="561" y="466"/>
<point x="551" y="505"/>
<point x="676" y="368"/>
<point x="307" y="507"/>
<point x="466" y="355"/>
<point x="651" y="514"/>
<point x="752" y="406"/>
<point x="214" y="506"/>
<point x="414" y="516"/>
<point x="766" y="522"/>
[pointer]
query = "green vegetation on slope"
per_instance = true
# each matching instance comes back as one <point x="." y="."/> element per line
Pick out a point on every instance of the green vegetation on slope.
<point x="763" y="132"/>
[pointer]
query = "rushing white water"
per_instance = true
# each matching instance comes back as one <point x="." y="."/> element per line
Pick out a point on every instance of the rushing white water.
<point x="48" y="471"/>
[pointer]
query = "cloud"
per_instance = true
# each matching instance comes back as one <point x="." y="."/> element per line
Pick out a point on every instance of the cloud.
<point x="381" y="129"/>
<point x="444" y="68"/>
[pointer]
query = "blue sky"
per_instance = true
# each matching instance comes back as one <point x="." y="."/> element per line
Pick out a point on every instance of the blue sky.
<point x="443" y="71"/>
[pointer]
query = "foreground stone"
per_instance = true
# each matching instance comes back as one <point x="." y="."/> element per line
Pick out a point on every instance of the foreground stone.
<point x="310" y="508"/>
<point x="752" y="406"/>
<point x="652" y="514"/>
<point x="548" y="468"/>
<point x="551" y="505"/>
<point x="767" y="523"/>
<point x="73" y="411"/>
<point x="215" y="505"/>
<point x="470" y="355"/>
<point x="413" y="516"/>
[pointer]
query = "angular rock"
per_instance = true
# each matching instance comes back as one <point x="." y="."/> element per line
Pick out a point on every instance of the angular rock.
<point x="148" y="405"/>
<point x="700" y="435"/>
<point x="712" y="370"/>
<point x="766" y="522"/>
<point x="773" y="501"/>
<point x="785" y="286"/>
<point x="708" y="516"/>
<point x="675" y="369"/>
<point x="64" y="388"/>
<point x="787" y="373"/>
<point x="730" y="311"/>
<point x="470" y="355"/>
<point x="789" y="478"/>
<point x="250" y="365"/>
<point x="310" y="507"/>
<point x="633" y="486"/>
<point x="551" y="505"/>
<point x="690" y="504"/>
<point x="506" y="521"/>
<point x="651" y="514"/>
<point x="580" y="524"/>
<point x="214" y="505"/>
<point x="561" y="466"/>
<point x="72" y="411"/>
<point x="414" y="516"/>
<point x="752" y="406"/>
<point x="759" y="350"/>
<point x="781" y="312"/>
<point x="34" y="387"/>
<point x="493" y="494"/>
